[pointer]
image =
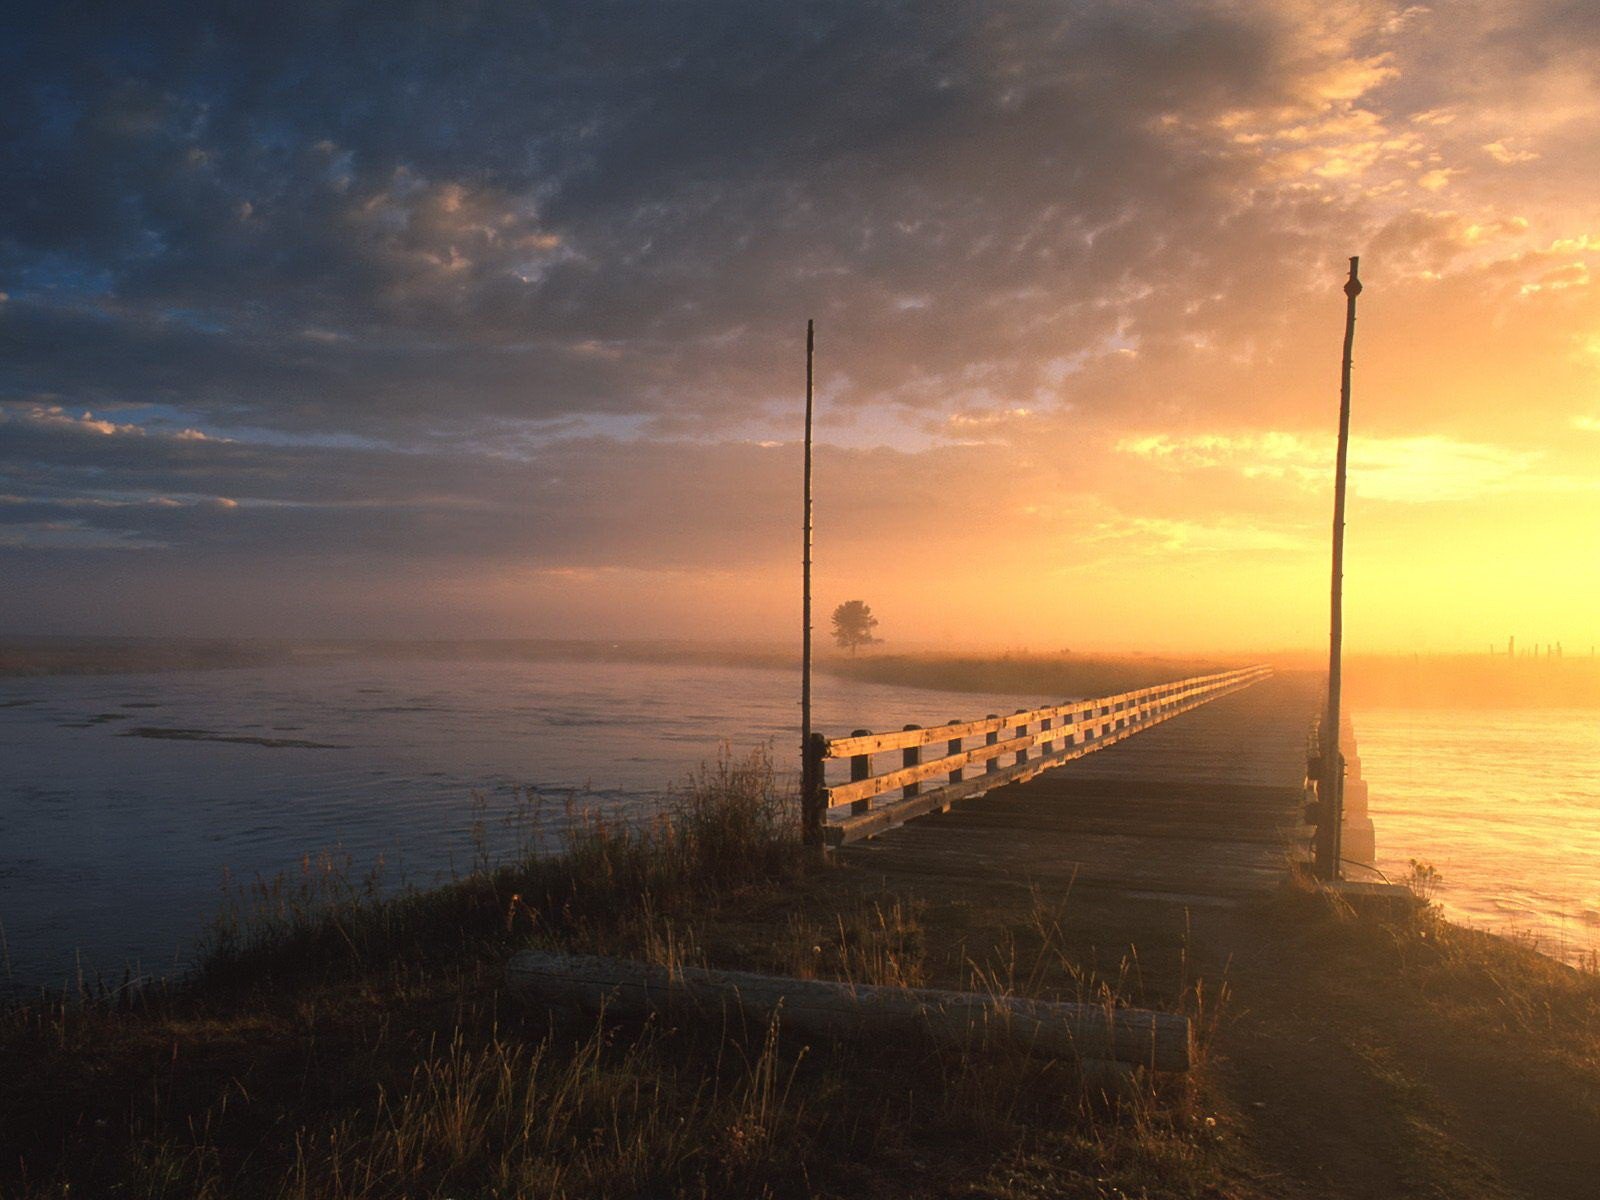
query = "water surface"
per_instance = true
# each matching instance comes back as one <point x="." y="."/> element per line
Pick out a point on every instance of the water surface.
<point x="125" y="799"/>
<point x="1506" y="805"/>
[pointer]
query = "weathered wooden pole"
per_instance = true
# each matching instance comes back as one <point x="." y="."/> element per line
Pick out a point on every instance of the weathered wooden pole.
<point x="810" y="761"/>
<point x="1331" y="784"/>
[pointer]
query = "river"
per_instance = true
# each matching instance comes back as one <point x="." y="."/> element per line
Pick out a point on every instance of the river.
<point x="121" y="813"/>
<point x="1505" y="805"/>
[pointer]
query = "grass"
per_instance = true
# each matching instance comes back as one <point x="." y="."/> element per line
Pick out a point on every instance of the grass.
<point x="1060" y="675"/>
<point x="1400" y="1054"/>
<point x="341" y="1041"/>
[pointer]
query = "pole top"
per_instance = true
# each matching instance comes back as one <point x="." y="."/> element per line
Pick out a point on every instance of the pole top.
<point x="1352" y="286"/>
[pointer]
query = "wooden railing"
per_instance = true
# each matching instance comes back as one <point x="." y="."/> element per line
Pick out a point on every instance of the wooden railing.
<point x="1034" y="739"/>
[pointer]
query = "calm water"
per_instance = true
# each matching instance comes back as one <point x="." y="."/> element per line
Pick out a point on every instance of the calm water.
<point x="114" y="848"/>
<point x="1505" y="804"/>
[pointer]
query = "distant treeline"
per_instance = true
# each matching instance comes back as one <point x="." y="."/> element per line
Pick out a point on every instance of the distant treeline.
<point x="1060" y="675"/>
<point x="1048" y="676"/>
<point x="110" y="655"/>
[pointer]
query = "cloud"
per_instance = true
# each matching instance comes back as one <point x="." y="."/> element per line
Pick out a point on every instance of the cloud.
<point x="53" y="416"/>
<point x="1166" y="537"/>
<point x="1408" y="470"/>
<point x="621" y="218"/>
<point x="1506" y="155"/>
<point x="504" y="290"/>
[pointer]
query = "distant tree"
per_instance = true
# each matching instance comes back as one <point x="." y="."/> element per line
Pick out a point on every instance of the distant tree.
<point x="853" y="624"/>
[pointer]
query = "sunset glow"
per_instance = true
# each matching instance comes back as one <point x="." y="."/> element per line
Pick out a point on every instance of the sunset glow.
<point x="856" y="598"/>
<point x="510" y="343"/>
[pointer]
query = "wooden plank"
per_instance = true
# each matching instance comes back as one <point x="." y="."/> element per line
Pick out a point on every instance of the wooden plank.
<point x="829" y="1008"/>
<point x="911" y="760"/>
<point x="889" y="816"/>
<point x="877" y="785"/>
<point x="901" y="739"/>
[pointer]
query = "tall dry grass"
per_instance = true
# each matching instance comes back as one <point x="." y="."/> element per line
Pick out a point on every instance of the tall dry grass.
<point x="731" y="825"/>
<point x="342" y="1041"/>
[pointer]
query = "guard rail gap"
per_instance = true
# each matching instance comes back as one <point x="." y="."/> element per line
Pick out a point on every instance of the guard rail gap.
<point x="1035" y="739"/>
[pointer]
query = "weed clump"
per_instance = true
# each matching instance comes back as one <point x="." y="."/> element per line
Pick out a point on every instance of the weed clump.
<point x="731" y="826"/>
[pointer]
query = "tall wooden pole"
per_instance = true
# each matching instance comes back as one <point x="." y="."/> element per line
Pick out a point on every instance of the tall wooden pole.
<point x="1331" y="785"/>
<point x="810" y="809"/>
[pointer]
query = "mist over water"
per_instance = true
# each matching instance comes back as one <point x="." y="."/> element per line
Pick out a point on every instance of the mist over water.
<point x="122" y="809"/>
<point x="126" y="800"/>
<point x="1506" y="805"/>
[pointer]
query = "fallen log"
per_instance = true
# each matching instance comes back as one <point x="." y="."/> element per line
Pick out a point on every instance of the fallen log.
<point x="828" y="1008"/>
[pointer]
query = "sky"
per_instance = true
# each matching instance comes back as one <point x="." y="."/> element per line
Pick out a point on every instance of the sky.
<point x="488" y="320"/>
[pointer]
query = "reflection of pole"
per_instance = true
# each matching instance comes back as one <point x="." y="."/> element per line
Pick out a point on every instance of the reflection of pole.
<point x="1331" y="785"/>
<point x="810" y="808"/>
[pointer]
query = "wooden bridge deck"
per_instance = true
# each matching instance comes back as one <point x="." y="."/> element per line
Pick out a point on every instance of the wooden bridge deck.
<point x="1202" y="808"/>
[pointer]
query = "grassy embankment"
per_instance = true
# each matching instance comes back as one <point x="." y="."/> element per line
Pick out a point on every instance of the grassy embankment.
<point x="1053" y="676"/>
<point x="334" y="1043"/>
<point x="1046" y="674"/>
<point x="1405" y="1057"/>
<point x="338" y="1044"/>
<point x="1371" y="681"/>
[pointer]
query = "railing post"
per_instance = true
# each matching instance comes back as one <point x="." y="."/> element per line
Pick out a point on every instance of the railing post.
<point x="911" y="756"/>
<point x="860" y="768"/>
<point x="812" y="782"/>
<point x="953" y="746"/>
<point x="991" y="765"/>
<point x="1021" y="731"/>
<point x="1048" y="746"/>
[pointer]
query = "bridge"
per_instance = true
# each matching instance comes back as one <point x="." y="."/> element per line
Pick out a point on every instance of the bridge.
<point x="1146" y="807"/>
<point x="1205" y="795"/>
<point x="1206" y="801"/>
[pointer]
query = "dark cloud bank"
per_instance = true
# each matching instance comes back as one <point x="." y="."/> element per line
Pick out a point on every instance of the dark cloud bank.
<point x="352" y="289"/>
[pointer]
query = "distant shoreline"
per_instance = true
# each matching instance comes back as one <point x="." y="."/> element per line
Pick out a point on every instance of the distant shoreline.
<point x="1398" y="681"/>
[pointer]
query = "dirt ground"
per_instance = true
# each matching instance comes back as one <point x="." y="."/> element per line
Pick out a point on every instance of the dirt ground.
<point x="1344" y="1055"/>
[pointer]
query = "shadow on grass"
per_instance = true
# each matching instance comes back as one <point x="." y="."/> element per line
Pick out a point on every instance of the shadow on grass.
<point x="337" y="1041"/>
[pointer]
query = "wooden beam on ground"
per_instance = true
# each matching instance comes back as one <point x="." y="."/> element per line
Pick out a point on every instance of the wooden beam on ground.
<point x="827" y="1008"/>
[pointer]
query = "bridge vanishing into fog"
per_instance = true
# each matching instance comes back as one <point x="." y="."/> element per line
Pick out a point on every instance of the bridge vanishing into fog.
<point x="1188" y="790"/>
